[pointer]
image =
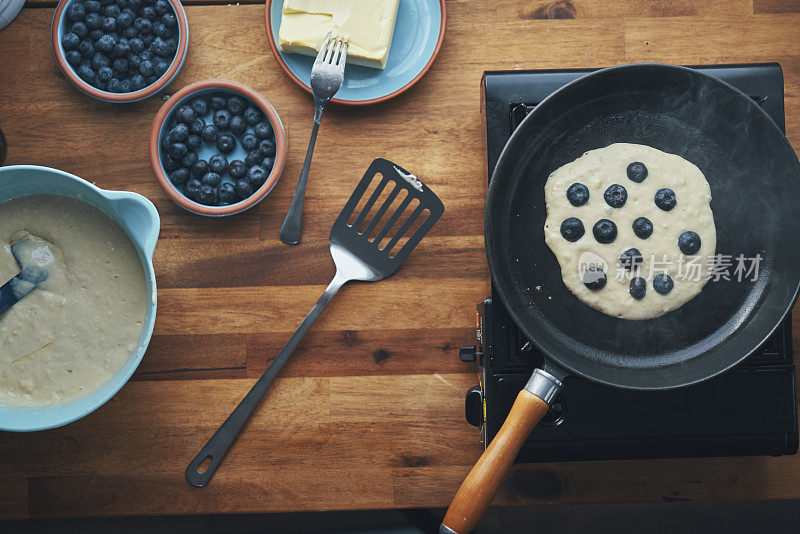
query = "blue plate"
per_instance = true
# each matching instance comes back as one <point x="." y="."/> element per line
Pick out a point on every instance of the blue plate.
<point x="418" y="35"/>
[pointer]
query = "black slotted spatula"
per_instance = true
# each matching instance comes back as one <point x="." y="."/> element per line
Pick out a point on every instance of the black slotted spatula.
<point x="369" y="249"/>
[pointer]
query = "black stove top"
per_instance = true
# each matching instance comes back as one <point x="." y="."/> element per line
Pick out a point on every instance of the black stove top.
<point x="590" y="421"/>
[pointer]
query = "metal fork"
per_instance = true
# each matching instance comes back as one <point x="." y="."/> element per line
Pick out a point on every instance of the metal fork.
<point x="327" y="76"/>
<point x="357" y="256"/>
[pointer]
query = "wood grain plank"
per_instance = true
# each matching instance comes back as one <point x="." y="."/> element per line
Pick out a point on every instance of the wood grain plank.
<point x="776" y="6"/>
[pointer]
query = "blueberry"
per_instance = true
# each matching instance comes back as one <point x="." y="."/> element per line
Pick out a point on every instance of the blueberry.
<point x="147" y="39"/>
<point x="248" y="141"/>
<point x="126" y="86"/>
<point x="161" y="30"/>
<point x="92" y="6"/>
<point x="146" y="68"/>
<point x="267" y="147"/>
<point x="109" y="24"/>
<point x="177" y="150"/>
<point x="162" y="6"/>
<point x="120" y="65"/>
<point x="169" y="163"/>
<point x="217" y="102"/>
<point x="192" y="188"/>
<point x="226" y="193"/>
<point x="638" y="288"/>
<point x="148" y="12"/>
<point x="665" y="199"/>
<point x="210" y="134"/>
<point x="74" y="58"/>
<point x="135" y="5"/>
<point x="199" y="169"/>
<point x="133" y="62"/>
<point x="243" y="188"/>
<point x="206" y="195"/>
<point x="106" y="43"/>
<point x="662" y="283"/>
<point x="200" y="106"/>
<point x="253" y="157"/>
<point x="189" y="159"/>
<point x="143" y="25"/>
<point x="80" y="29"/>
<point x="604" y="231"/>
<point x="146" y="54"/>
<point x="257" y="175"/>
<point x="111" y="11"/>
<point x="70" y="41"/>
<point x="252" y="115"/>
<point x="211" y="178"/>
<point x="594" y="278"/>
<point x="94" y="21"/>
<point x="185" y="114"/>
<point x="100" y="60"/>
<point x="197" y="125"/>
<point x="226" y="143"/>
<point x="689" y="242"/>
<point x="131" y="32"/>
<point x="578" y="194"/>
<point x="637" y="172"/>
<point x="237" y="169"/>
<point x="116" y="86"/>
<point x="235" y="105"/>
<point x="86" y="73"/>
<point x="121" y="50"/>
<point x="179" y="176"/>
<point x="268" y="162"/>
<point x="136" y="45"/>
<point x="104" y="74"/>
<point x="169" y="20"/>
<point x="615" y="196"/>
<point x="86" y="49"/>
<point x="218" y="163"/>
<point x="160" y="68"/>
<point x="137" y="82"/>
<point x="124" y="20"/>
<point x="631" y="259"/>
<point x="222" y="119"/>
<point x="238" y="126"/>
<point x="642" y="227"/>
<point x="263" y="130"/>
<point x="572" y="229"/>
<point x="76" y="12"/>
<point x="160" y="48"/>
<point x="193" y="142"/>
<point x="100" y="84"/>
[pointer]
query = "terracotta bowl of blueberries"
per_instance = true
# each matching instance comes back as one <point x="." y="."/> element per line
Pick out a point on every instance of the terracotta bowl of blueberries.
<point x="217" y="147"/>
<point x="120" y="50"/>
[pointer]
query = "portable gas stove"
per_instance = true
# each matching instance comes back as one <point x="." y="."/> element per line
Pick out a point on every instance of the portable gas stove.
<point x="691" y="421"/>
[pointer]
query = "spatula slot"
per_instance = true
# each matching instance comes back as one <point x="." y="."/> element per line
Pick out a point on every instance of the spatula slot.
<point x="396" y="222"/>
<point x="373" y="188"/>
<point x="385" y="212"/>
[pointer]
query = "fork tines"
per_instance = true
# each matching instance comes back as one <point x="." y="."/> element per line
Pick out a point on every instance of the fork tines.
<point x="333" y="51"/>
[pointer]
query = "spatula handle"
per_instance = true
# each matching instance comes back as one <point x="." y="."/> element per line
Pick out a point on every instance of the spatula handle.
<point x="219" y="444"/>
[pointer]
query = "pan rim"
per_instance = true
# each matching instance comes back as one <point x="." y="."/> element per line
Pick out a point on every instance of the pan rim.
<point x="492" y="248"/>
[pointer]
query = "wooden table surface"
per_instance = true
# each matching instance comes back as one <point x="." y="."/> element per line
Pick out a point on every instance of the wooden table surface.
<point x="369" y="413"/>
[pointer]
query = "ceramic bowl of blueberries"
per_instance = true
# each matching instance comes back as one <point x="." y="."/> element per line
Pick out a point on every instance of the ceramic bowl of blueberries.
<point x="217" y="147"/>
<point x="120" y="50"/>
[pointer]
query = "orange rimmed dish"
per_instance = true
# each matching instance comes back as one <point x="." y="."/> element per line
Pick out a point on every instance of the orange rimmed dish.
<point x="185" y="95"/>
<point x="58" y="28"/>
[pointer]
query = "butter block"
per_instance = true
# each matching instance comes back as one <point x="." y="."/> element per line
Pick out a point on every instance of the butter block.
<point x="367" y="25"/>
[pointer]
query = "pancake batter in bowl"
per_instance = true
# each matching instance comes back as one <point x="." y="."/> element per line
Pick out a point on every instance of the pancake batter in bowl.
<point x="632" y="229"/>
<point x="72" y="333"/>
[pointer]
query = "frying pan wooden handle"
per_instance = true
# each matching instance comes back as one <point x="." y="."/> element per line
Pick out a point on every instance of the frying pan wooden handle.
<point x="479" y="488"/>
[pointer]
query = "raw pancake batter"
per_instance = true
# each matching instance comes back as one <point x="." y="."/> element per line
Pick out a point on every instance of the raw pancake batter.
<point x="632" y="229"/>
<point x="73" y="332"/>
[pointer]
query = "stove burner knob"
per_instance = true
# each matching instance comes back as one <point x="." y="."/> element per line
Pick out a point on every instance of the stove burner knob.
<point x="473" y="406"/>
<point x="468" y="353"/>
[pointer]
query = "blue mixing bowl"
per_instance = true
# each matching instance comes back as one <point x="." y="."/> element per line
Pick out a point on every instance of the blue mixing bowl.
<point x="139" y="219"/>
